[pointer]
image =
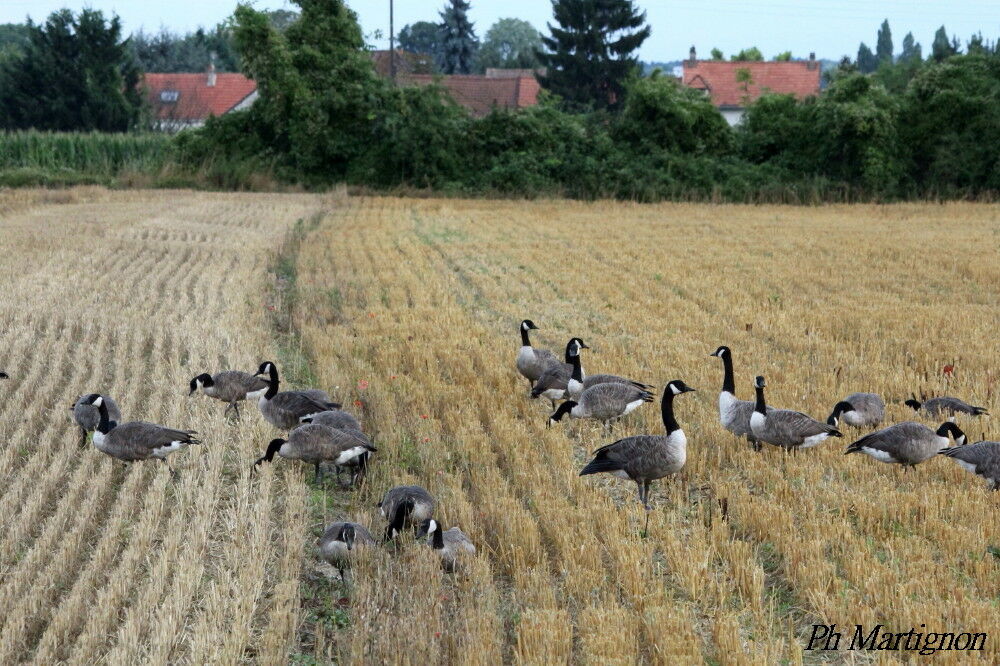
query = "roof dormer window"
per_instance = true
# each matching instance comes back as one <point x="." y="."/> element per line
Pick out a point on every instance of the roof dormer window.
<point x="169" y="96"/>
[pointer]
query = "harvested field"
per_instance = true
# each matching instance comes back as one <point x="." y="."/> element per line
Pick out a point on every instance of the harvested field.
<point x="407" y="311"/>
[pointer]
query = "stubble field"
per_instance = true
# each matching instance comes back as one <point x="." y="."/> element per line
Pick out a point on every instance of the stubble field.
<point x="407" y="310"/>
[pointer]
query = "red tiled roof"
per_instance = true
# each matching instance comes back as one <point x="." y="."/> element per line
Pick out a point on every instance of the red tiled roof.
<point x="195" y="99"/>
<point x="481" y="94"/>
<point x="799" y="78"/>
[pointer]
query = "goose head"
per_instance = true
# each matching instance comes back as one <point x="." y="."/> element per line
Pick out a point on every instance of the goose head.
<point x="913" y="404"/>
<point x="721" y="352"/>
<point x="427" y="527"/>
<point x="560" y="412"/>
<point x="266" y="368"/>
<point x="677" y="387"/>
<point x="758" y="382"/>
<point x="201" y="381"/>
<point x="347" y="534"/>
<point x="838" y="409"/>
<point x="574" y="346"/>
<point x="528" y="325"/>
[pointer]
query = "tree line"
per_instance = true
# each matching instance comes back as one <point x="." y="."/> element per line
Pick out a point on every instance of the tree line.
<point x="912" y="127"/>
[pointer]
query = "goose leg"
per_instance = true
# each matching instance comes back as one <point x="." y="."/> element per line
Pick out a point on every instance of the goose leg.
<point x="236" y="408"/>
<point x="647" y="505"/>
<point x="317" y="474"/>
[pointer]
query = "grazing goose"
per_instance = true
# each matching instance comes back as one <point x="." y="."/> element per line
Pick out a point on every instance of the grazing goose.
<point x="646" y="458"/>
<point x="230" y="386"/>
<point x="340" y="541"/>
<point x="553" y="381"/>
<point x="315" y="444"/>
<point x="448" y="544"/>
<point x="405" y="506"/>
<point x="88" y="416"/>
<point x="286" y="410"/>
<point x="786" y="428"/>
<point x="860" y="410"/>
<point x="944" y="406"/>
<point x="908" y="444"/>
<point x="136" y="440"/>
<point x="531" y="362"/>
<point x="604" y="403"/>
<point x="981" y="458"/>
<point x="346" y="423"/>
<point x="577" y="383"/>
<point x="734" y="414"/>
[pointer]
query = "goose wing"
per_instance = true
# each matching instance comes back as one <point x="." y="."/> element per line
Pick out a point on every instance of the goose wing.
<point x="150" y="436"/>
<point x="337" y="418"/>
<point x="556" y="376"/>
<point x="619" y="455"/>
<point x="301" y="403"/>
<point x="593" y="380"/>
<point x="891" y="440"/>
<point x="791" y="425"/>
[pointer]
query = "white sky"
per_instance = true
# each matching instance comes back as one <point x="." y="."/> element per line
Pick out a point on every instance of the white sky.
<point x="831" y="28"/>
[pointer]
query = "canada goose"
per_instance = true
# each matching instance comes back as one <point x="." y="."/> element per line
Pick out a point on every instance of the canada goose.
<point x="604" y="403"/>
<point x="286" y="410"/>
<point x="532" y="362"/>
<point x="981" y="458"/>
<point x="646" y="458"/>
<point x="340" y="541"/>
<point x="554" y="379"/>
<point x="448" y="544"/>
<point x="786" y="428"/>
<point x="405" y="506"/>
<point x="734" y="414"/>
<point x="345" y="422"/>
<point x="859" y="410"/>
<point x="944" y="406"/>
<point x="577" y="383"/>
<point x="314" y="443"/>
<point x="908" y="443"/>
<point x="88" y="416"/>
<point x="230" y="386"/>
<point x="136" y="440"/>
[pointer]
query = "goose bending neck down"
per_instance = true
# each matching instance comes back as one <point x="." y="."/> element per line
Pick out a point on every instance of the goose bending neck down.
<point x="788" y="429"/>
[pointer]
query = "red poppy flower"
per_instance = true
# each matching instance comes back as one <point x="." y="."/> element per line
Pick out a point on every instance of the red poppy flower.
<point x="362" y="385"/>
<point x="949" y="369"/>
<point x="358" y="403"/>
<point x="423" y="416"/>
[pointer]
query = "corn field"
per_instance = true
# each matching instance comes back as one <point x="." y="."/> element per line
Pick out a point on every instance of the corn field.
<point x="407" y="311"/>
<point x="95" y="153"/>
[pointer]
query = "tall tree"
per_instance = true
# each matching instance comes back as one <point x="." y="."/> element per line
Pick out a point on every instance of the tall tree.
<point x="75" y="73"/>
<point x="590" y="55"/>
<point x="718" y="55"/>
<point x="883" y="47"/>
<point x="510" y="43"/>
<point x="458" y="39"/>
<point x="942" y="48"/>
<point x="168" y="52"/>
<point x="911" y="49"/>
<point x="867" y="62"/>
<point x="421" y="37"/>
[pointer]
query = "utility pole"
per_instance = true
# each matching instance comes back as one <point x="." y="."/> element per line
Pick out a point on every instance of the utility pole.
<point x="392" y="45"/>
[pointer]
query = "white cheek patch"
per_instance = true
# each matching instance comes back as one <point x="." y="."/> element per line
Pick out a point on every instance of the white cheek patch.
<point x="674" y="390"/>
<point x="98" y="402"/>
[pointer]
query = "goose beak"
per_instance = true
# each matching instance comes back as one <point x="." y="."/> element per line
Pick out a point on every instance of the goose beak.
<point x="688" y="389"/>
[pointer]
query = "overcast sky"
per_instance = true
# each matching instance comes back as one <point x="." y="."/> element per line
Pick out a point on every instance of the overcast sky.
<point x="831" y="28"/>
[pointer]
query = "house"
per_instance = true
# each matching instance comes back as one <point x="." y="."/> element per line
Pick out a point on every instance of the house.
<point x="187" y="100"/>
<point x="733" y="85"/>
<point x="482" y="94"/>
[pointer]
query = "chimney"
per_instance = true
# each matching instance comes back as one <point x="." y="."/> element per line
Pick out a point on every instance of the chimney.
<point x="812" y="60"/>
<point x="210" y="82"/>
<point x="692" y="54"/>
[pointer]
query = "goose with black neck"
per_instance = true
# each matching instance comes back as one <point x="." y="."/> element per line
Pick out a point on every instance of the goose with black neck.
<point x="734" y="414"/>
<point x="554" y="380"/>
<point x="285" y="410"/>
<point x="786" y="428"/>
<point x="532" y="362"/>
<point x="646" y="458"/>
